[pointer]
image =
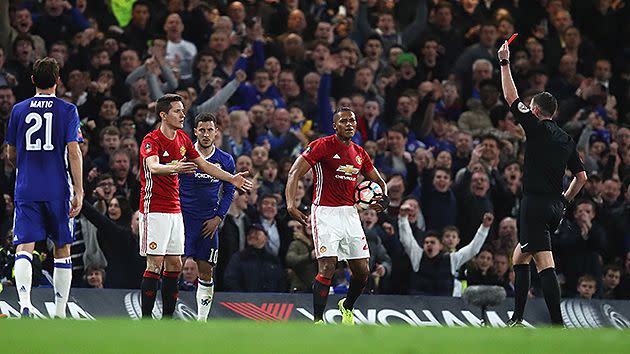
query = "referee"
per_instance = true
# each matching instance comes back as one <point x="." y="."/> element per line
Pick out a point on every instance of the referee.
<point x="549" y="152"/>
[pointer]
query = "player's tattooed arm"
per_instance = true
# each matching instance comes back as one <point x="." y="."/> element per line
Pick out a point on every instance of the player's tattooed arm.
<point x="238" y="180"/>
<point x="299" y="169"/>
<point x="156" y="168"/>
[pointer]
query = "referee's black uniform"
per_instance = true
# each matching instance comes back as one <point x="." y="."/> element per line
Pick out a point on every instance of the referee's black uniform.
<point x="550" y="150"/>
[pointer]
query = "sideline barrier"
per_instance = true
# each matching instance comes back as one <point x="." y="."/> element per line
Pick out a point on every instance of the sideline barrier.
<point x="93" y="304"/>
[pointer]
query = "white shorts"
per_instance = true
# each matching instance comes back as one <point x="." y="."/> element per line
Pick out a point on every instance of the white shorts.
<point x="161" y="234"/>
<point x="337" y="232"/>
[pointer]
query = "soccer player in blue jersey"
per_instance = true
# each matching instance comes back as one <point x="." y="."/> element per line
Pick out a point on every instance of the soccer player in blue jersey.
<point x="42" y="136"/>
<point x="205" y="201"/>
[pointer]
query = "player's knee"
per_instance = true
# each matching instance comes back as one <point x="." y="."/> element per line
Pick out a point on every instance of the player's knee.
<point x="172" y="263"/>
<point x="205" y="270"/>
<point x="327" y="269"/>
<point x="544" y="260"/>
<point x="62" y="251"/>
<point x="154" y="263"/>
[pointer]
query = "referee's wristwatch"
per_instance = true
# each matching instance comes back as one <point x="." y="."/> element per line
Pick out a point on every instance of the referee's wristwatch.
<point x="504" y="62"/>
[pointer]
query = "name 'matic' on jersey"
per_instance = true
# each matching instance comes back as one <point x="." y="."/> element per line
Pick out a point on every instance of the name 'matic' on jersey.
<point x="202" y="195"/>
<point x="39" y="128"/>
<point x="335" y="170"/>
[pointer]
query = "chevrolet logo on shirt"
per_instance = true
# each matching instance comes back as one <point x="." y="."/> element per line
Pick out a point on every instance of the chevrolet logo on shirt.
<point x="348" y="169"/>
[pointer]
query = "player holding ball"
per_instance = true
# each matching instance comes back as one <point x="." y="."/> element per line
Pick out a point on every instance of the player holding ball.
<point x="337" y="233"/>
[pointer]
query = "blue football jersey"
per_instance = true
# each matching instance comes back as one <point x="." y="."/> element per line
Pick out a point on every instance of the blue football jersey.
<point x="204" y="196"/>
<point x="39" y="128"/>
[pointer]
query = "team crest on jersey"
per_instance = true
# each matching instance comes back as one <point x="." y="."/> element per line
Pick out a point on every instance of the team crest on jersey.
<point x="359" y="160"/>
<point x="323" y="249"/>
<point x="308" y="149"/>
<point x="153" y="245"/>
<point x="182" y="150"/>
<point x="522" y="107"/>
<point x="147" y="147"/>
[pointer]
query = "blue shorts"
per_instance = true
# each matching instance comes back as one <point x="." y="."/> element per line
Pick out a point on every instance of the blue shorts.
<point x="205" y="249"/>
<point x="36" y="221"/>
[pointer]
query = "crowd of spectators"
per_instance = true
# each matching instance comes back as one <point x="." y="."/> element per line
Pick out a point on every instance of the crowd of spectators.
<point x="422" y="78"/>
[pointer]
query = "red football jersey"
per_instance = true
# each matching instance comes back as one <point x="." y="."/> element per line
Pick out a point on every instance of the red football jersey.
<point x="335" y="170"/>
<point x="160" y="194"/>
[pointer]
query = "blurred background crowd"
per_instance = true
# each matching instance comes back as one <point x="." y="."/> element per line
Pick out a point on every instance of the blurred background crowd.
<point x="422" y="78"/>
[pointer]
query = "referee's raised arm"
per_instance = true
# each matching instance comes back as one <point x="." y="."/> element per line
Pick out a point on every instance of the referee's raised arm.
<point x="509" y="89"/>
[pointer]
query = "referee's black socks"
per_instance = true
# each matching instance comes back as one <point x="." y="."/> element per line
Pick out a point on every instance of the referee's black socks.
<point x="521" y="288"/>
<point x="551" y="291"/>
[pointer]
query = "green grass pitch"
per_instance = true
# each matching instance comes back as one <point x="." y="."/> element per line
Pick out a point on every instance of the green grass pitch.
<point x="126" y="336"/>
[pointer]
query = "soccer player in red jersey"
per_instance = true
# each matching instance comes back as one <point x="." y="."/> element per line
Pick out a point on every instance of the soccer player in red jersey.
<point x="337" y="233"/>
<point x="164" y="153"/>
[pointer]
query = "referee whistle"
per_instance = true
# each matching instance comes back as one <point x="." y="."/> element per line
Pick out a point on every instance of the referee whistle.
<point x="512" y="38"/>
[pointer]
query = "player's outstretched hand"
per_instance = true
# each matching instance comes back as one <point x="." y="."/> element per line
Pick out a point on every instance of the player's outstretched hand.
<point x="240" y="182"/>
<point x="298" y="215"/>
<point x="488" y="218"/>
<point x="185" y="167"/>
<point x="210" y="226"/>
<point x="504" y="51"/>
<point x="77" y="204"/>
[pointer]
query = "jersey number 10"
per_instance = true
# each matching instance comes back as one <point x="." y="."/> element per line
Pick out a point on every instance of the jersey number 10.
<point x="37" y="145"/>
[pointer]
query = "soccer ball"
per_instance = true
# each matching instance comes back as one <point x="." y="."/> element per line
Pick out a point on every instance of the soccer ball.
<point x="365" y="192"/>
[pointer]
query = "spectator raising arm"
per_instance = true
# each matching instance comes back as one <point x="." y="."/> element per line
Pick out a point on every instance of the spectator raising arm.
<point x="466" y="253"/>
<point x="413" y="250"/>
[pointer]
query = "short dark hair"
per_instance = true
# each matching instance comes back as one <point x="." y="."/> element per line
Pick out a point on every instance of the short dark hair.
<point x="492" y="137"/>
<point x="45" y="73"/>
<point x="546" y="103"/>
<point x="163" y="104"/>
<point x="109" y="130"/>
<point x="586" y="278"/>
<point x="433" y="233"/>
<point x="611" y="267"/>
<point x="443" y="5"/>
<point x="444" y="169"/>
<point x="342" y="109"/>
<point x="205" y="117"/>
<point x="141" y="3"/>
<point x="586" y="201"/>
<point x="399" y="128"/>
<point x="23" y="37"/>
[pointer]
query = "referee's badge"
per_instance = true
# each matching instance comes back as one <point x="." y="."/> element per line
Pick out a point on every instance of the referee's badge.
<point x="522" y="107"/>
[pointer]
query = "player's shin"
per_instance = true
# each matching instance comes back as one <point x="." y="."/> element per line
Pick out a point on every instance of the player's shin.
<point x="170" y="293"/>
<point x="62" y="278"/>
<point x="205" y="293"/>
<point x="321" y="287"/>
<point x="357" y="285"/>
<point x="148" y="288"/>
<point x="24" y="278"/>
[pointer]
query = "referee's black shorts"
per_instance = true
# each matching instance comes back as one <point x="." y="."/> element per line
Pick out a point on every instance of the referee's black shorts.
<point x="539" y="219"/>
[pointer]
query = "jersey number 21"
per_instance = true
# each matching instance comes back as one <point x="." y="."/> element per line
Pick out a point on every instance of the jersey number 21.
<point x="37" y="145"/>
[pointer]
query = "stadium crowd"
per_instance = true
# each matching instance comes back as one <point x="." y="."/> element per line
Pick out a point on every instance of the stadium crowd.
<point x="422" y="78"/>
